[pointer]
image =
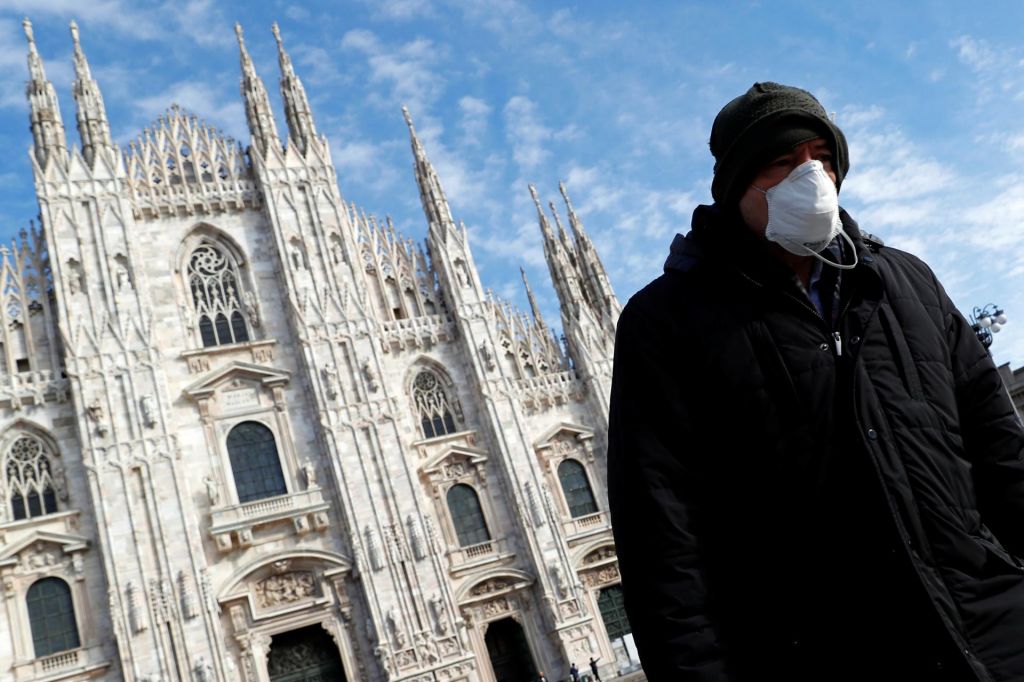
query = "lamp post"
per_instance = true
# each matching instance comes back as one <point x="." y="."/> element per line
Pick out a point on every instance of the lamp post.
<point x="986" y="321"/>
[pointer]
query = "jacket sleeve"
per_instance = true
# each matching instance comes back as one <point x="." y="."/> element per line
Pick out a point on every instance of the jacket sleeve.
<point x="655" y="511"/>
<point x="992" y="434"/>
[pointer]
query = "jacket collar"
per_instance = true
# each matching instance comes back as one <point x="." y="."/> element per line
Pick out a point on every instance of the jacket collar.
<point x="718" y="237"/>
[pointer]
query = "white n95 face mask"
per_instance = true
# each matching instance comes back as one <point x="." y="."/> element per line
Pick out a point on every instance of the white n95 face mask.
<point x="803" y="213"/>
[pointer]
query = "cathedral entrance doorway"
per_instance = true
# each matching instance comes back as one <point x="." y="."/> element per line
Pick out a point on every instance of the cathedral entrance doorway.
<point x="509" y="653"/>
<point x="613" y="613"/>
<point x="304" y="655"/>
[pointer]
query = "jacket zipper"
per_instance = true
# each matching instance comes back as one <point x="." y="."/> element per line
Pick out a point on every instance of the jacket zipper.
<point x="837" y="339"/>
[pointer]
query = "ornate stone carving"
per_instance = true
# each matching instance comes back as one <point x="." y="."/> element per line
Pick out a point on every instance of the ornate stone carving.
<point x="136" y="619"/>
<point x="252" y="310"/>
<point x="536" y="513"/>
<point x="437" y="610"/>
<point x="96" y="415"/>
<point x="330" y="377"/>
<point x="212" y="490"/>
<point x="189" y="603"/>
<point x="373" y="549"/>
<point x="489" y="587"/>
<point x="487" y="356"/>
<point x="285" y="588"/>
<point x="416" y="539"/>
<point x="426" y="649"/>
<point x="496" y="607"/>
<point x="370" y="374"/>
<point x="558" y="578"/>
<point x="598" y="555"/>
<point x="203" y="671"/>
<point x="603" y="576"/>
<point x="395" y="627"/>
<point x="309" y="473"/>
<point x="148" y="406"/>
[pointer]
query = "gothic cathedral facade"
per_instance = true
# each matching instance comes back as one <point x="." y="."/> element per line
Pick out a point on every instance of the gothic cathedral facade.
<point x="248" y="432"/>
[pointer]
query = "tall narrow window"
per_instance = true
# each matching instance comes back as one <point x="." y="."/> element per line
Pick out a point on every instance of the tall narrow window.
<point x="254" y="462"/>
<point x="467" y="516"/>
<point x="432" y="405"/>
<point x="28" y="480"/>
<point x="576" y="487"/>
<point x="51" y="615"/>
<point x="214" y="283"/>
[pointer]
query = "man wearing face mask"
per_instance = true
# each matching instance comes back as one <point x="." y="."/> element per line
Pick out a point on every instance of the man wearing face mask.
<point x="814" y="470"/>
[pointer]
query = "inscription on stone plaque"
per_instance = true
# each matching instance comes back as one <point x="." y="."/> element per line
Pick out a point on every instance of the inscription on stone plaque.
<point x="246" y="397"/>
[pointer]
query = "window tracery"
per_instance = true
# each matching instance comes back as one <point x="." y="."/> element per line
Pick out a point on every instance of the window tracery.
<point x="432" y="405"/>
<point x="28" y="480"/>
<point x="214" y="284"/>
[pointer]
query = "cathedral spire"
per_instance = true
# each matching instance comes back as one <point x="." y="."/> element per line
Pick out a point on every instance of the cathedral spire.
<point x="257" y="105"/>
<point x="93" y="127"/>
<point x="296" y="104"/>
<point x="568" y="244"/>
<point x="595" y="277"/>
<point x="560" y="263"/>
<point x="545" y="227"/>
<point x="44" y="112"/>
<point x="435" y="204"/>
<point x="533" y="301"/>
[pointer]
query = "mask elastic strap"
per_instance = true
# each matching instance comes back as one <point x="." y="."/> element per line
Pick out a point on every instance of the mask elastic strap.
<point x="826" y="261"/>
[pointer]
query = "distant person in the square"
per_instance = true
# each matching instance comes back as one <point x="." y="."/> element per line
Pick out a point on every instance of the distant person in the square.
<point x="815" y="472"/>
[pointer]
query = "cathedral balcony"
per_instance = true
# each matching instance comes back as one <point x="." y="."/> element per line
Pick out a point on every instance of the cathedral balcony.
<point x="470" y="558"/>
<point x="415" y="332"/>
<point x="586" y="527"/>
<point x="234" y="525"/>
<point x="549" y="390"/>
<point x="80" y="663"/>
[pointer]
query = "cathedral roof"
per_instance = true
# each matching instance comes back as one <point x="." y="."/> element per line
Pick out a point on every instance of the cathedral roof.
<point x="179" y="146"/>
<point x="180" y="150"/>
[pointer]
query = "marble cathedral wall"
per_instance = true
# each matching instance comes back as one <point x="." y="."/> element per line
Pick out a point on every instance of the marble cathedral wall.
<point x="240" y="419"/>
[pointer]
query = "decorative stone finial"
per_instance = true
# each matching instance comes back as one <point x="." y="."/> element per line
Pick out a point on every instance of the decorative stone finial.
<point x="277" y="33"/>
<point x="74" y="32"/>
<point x="408" y="118"/>
<point x="27" y="25"/>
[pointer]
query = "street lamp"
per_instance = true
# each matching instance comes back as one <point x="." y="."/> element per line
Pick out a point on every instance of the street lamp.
<point x="987" y="321"/>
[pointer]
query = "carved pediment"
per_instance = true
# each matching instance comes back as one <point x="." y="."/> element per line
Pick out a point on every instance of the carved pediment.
<point x="565" y="431"/>
<point x="454" y="462"/>
<point x="494" y="584"/>
<point x="237" y="376"/>
<point x="42" y="548"/>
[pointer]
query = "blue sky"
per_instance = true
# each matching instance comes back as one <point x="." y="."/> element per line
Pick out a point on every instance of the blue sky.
<point x="615" y="98"/>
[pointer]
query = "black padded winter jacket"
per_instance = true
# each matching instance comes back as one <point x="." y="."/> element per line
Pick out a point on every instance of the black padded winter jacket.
<point x="793" y="499"/>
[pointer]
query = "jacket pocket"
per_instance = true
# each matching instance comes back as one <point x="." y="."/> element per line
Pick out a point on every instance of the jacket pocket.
<point x="901" y="356"/>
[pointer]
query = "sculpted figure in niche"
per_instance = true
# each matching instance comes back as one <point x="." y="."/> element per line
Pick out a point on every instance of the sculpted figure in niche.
<point x="212" y="490"/>
<point x="251" y="310"/>
<point x="309" y="473"/>
<point x="148" y="405"/>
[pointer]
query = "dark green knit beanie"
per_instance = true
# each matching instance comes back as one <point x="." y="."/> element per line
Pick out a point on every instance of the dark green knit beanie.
<point x="766" y="121"/>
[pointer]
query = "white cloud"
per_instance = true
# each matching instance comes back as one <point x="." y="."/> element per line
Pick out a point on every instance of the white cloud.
<point x="401" y="10"/>
<point x="474" y="119"/>
<point x="406" y="70"/>
<point x="525" y="133"/>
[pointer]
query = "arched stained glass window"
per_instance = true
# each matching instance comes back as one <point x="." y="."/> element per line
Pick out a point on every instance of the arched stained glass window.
<point x="576" y="487"/>
<point x="467" y="516"/>
<point x="432" y="405"/>
<point x="51" y="615"/>
<point x="254" y="462"/>
<point x="214" y="283"/>
<point x="28" y="479"/>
